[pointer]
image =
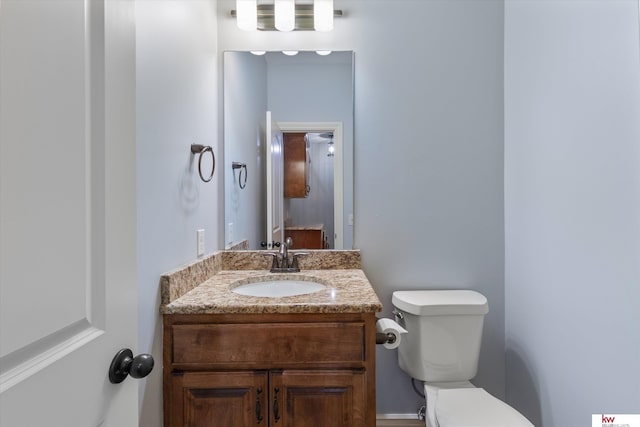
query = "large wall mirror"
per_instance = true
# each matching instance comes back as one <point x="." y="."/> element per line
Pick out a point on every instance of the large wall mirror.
<point x="288" y="150"/>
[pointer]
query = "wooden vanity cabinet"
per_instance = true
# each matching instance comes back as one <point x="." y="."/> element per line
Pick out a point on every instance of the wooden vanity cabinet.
<point x="290" y="370"/>
<point x="296" y="165"/>
<point x="307" y="238"/>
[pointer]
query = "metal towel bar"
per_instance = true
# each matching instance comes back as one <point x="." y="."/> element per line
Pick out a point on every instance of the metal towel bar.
<point x="201" y="149"/>
<point x="241" y="166"/>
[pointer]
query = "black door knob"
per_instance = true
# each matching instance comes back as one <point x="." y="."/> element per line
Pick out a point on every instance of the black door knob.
<point x="124" y="364"/>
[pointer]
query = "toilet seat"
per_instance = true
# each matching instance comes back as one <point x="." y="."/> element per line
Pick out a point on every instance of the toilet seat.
<point x="473" y="407"/>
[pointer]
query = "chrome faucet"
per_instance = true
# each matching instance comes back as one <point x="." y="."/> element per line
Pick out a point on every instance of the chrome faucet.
<point x="284" y="265"/>
<point x="284" y="252"/>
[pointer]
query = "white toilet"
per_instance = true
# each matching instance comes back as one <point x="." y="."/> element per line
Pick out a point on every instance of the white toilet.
<point x="441" y="348"/>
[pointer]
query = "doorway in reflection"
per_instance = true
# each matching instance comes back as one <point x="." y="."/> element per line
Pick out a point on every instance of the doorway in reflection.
<point x="309" y="189"/>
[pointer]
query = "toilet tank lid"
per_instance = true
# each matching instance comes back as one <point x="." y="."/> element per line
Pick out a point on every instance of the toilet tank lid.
<point x="441" y="302"/>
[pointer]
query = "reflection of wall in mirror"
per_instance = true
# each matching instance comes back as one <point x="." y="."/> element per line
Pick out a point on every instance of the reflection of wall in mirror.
<point x="245" y="103"/>
<point x="318" y="92"/>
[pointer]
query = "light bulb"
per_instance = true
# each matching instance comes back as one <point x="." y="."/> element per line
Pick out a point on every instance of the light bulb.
<point x="290" y="52"/>
<point x="247" y="14"/>
<point x="323" y="15"/>
<point x="285" y="15"/>
<point x="323" y="52"/>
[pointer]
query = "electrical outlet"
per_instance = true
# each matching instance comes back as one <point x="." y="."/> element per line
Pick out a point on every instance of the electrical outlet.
<point x="230" y="232"/>
<point x="200" y="240"/>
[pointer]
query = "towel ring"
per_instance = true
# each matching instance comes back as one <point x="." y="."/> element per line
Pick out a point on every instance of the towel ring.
<point x="241" y="166"/>
<point x="201" y="149"/>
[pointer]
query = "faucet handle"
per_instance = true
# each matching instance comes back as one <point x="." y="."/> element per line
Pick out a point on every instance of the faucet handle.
<point x="294" y="263"/>
<point x="289" y="242"/>
<point x="274" y="263"/>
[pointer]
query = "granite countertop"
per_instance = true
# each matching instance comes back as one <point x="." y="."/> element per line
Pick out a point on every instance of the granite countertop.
<point x="205" y="287"/>
<point x="305" y="227"/>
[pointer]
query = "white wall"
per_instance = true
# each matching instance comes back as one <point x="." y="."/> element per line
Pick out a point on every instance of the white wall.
<point x="572" y="209"/>
<point x="428" y="173"/>
<point x="177" y="105"/>
<point x="245" y="106"/>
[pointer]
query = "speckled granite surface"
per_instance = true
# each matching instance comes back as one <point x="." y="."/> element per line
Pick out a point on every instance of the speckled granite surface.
<point x="178" y="282"/>
<point x="205" y="286"/>
<point x="314" y="260"/>
<point x="305" y="227"/>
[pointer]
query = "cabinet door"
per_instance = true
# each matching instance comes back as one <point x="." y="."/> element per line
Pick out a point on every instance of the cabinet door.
<point x="220" y="399"/>
<point x="306" y="239"/>
<point x="317" y="398"/>
<point x="296" y="170"/>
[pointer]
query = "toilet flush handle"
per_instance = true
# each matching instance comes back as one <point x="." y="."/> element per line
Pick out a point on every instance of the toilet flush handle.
<point x="398" y="314"/>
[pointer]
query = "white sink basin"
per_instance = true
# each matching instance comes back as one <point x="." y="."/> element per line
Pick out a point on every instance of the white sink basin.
<point x="278" y="288"/>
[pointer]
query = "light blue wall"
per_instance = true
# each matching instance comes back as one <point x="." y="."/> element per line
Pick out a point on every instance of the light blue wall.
<point x="428" y="154"/>
<point x="572" y="209"/>
<point x="245" y="107"/>
<point x="429" y="164"/>
<point x="177" y="105"/>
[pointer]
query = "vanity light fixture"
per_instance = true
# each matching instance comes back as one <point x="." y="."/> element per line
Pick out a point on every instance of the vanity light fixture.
<point x="290" y="52"/>
<point x="285" y="15"/>
<point x="258" y="52"/>
<point x="323" y="52"/>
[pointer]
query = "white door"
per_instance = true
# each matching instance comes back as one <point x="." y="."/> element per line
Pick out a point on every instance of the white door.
<point x="275" y="182"/>
<point x="68" y="296"/>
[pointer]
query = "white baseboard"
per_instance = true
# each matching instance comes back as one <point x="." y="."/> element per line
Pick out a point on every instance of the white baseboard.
<point x="398" y="420"/>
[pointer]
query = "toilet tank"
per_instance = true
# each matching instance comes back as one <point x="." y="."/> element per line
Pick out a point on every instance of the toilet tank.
<point x="444" y="333"/>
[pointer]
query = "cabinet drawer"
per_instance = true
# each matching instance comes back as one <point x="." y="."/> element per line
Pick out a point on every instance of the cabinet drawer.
<point x="268" y="344"/>
<point x="306" y="239"/>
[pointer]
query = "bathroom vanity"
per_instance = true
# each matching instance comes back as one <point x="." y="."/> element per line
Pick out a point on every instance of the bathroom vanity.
<point x="307" y="237"/>
<point x="237" y="360"/>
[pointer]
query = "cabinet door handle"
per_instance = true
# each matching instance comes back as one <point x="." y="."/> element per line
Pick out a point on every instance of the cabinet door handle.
<point x="276" y="408"/>
<point x="258" y="406"/>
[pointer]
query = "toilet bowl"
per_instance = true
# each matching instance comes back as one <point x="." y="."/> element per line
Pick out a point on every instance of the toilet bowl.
<point x="463" y="405"/>
<point x="442" y="349"/>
